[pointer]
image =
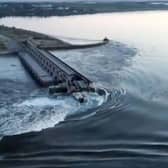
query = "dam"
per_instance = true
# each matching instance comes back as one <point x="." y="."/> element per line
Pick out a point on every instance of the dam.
<point x="48" y="70"/>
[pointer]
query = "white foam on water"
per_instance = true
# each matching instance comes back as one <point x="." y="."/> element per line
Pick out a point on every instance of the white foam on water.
<point x="42" y="101"/>
<point x="38" y="113"/>
<point x="34" y="114"/>
<point x="49" y="121"/>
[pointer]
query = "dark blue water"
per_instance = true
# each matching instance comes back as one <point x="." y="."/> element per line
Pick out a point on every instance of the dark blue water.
<point x="128" y="128"/>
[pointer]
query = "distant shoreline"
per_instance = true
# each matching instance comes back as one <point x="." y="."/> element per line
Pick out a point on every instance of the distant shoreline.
<point x="45" y="9"/>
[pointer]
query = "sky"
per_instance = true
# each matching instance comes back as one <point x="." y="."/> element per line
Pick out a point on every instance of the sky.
<point x="72" y="0"/>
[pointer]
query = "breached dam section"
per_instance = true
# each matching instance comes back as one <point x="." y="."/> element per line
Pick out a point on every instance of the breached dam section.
<point x="48" y="69"/>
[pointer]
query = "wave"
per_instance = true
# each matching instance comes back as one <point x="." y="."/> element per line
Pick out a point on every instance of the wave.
<point x="37" y="113"/>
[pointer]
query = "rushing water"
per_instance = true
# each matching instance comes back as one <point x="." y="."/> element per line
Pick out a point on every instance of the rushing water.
<point x="126" y="129"/>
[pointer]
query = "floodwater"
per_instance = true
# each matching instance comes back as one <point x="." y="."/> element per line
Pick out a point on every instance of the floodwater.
<point x="128" y="128"/>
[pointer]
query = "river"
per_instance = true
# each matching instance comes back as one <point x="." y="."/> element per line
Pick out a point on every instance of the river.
<point x="128" y="128"/>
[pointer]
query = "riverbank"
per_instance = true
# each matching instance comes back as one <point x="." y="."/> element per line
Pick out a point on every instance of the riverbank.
<point x="78" y="8"/>
<point x="22" y="34"/>
<point x="10" y="36"/>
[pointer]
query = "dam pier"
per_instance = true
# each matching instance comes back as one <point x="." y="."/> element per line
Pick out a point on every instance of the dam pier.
<point x="50" y="71"/>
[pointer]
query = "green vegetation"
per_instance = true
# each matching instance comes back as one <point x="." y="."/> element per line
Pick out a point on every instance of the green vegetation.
<point x="21" y="34"/>
<point x="9" y="35"/>
<point x="78" y="8"/>
<point x="18" y="35"/>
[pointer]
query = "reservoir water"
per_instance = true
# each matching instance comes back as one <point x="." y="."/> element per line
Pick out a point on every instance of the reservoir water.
<point x="126" y="129"/>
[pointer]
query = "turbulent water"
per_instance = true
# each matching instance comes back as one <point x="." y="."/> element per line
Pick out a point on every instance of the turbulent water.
<point x="127" y="128"/>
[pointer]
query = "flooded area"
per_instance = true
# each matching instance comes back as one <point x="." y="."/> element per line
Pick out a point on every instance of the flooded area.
<point x="127" y="128"/>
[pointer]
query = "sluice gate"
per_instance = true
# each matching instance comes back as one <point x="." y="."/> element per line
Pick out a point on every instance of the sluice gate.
<point x="49" y="70"/>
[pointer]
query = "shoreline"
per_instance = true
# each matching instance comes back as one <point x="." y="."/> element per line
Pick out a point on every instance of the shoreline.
<point x="96" y="13"/>
<point x="12" y="37"/>
<point x="44" y="9"/>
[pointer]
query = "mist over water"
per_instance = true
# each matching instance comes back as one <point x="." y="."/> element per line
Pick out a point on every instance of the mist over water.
<point x="128" y="128"/>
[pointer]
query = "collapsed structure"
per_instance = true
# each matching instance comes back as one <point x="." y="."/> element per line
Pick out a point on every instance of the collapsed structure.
<point x="50" y="71"/>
